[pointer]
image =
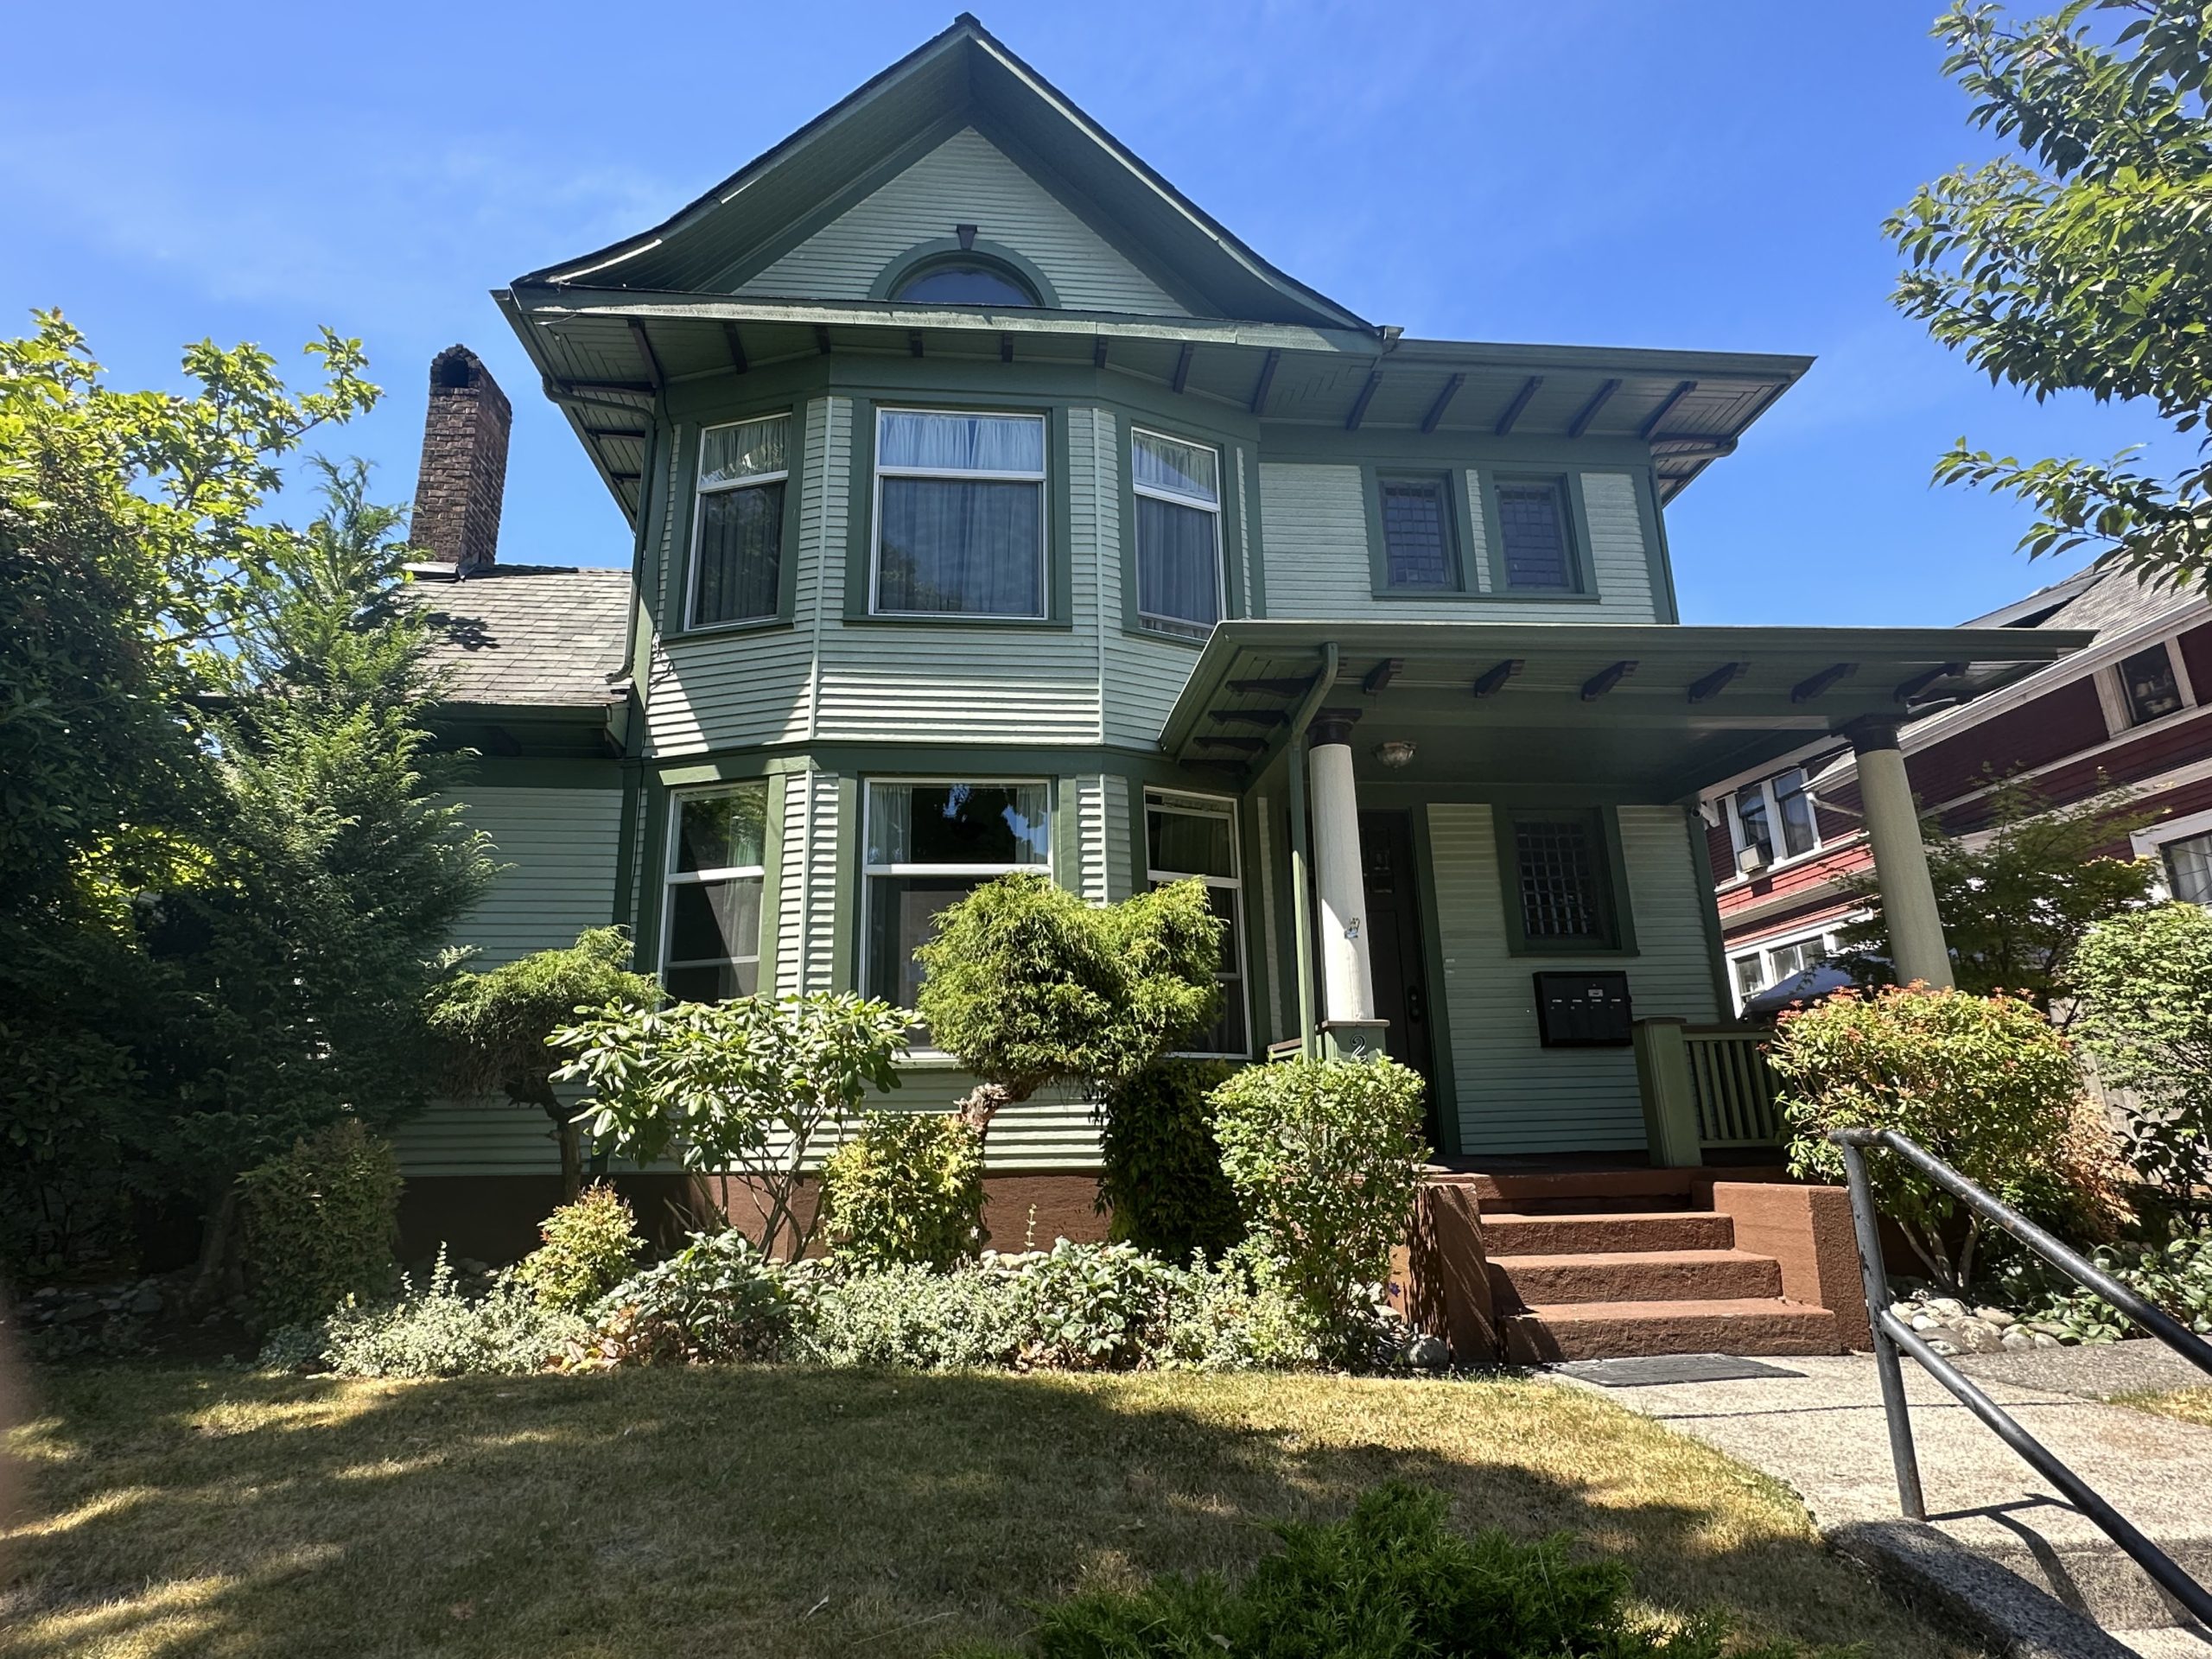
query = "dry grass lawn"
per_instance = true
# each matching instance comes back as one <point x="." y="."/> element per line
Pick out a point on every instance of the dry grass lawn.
<point x="793" y="1512"/>
<point x="2190" y="1405"/>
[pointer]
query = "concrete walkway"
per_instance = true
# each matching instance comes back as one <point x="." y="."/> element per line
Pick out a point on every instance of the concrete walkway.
<point x="1822" y="1432"/>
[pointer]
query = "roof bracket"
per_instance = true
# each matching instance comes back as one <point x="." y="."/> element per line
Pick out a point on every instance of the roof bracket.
<point x="1710" y="687"/>
<point x="1606" y="679"/>
<point x="1359" y="404"/>
<point x="1520" y="402"/>
<point x="1580" y="424"/>
<point x="736" y="347"/>
<point x="1381" y="675"/>
<point x="1098" y="352"/>
<point x="822" y="338"/>
<point x="1249" y="716"/>
<point x="1183" y="367"/>
<point x="914" y="342"/>
<point x="1280" y="688"/>
<point x="1491" y="681"/>
<point x="1428" y="422"/>
<point x="1267" y="379"/>
<point x="1006" y="348"/>
<point x="645" y="352"/>
<point x="1657" y="417"/>
<point x="1243" y="745"/>
<point x="1806" y="690"/>
<point x="1919" y="682"/>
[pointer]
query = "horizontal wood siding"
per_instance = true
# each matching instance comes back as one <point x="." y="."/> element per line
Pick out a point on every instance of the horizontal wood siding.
<point x="1513" y="1094"/>
<point x="965" y="180"/>
<point x="1122" y="837"/>
<point x="1314" y="553"/>
<point x="1089" y="797"/>
<point x="2064" y="720"/>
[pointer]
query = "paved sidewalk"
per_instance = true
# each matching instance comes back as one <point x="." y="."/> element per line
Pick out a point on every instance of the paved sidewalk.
<point x="1822" y="1432"/>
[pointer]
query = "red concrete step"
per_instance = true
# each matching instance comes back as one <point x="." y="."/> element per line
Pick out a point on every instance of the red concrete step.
<point x="1588" y="1234"/>
<point x="1634" y="1276"/>
<point x="1563" y="1331"/>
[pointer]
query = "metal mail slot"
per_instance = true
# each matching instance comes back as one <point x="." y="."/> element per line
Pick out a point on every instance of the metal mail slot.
<point x="1583" y="1010"/>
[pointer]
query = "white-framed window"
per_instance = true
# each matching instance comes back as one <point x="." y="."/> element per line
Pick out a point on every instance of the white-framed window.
<point x="1177" y="489"/>
<point x="2183" y="847"/>
<point x="2145" y="685"/>
<point x="928" y="842"/>
<point x="960" y="514"/>
<point x="737" y="522"/>
<point x="1187" y="835"/>
<point x="1772" y="961"/>
<point x="1773" y="819"/>
<point x="711" y="912"/>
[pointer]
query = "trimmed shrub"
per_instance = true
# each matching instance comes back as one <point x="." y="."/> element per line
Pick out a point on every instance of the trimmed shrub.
<point x="1325" y="1157"/>
<point x="319" y="1224"/>
<point x="908" y="1189"/>
<point x="718" y="1298"/>
<point x="2146" y="984"/>
<point x="1985" y="1083"/>
<point x="1162" y="1179"/>
<point x="588" y="1246"/>
<point x="431" y="1332"/>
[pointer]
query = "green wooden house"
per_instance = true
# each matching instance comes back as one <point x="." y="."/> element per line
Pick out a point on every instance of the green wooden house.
<point x="996" y="508"/>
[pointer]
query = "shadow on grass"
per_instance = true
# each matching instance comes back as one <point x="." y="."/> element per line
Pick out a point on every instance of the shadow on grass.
<point x="789" y="1511"/>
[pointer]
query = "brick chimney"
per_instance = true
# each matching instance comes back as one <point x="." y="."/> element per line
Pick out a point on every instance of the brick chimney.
<point x="464" y="462"/>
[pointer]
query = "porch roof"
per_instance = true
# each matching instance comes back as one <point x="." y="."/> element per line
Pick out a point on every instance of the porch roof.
<point x="1627" y="711"/>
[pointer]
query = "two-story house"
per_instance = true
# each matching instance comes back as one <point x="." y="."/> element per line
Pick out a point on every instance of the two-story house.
<point x="997" y="509"/>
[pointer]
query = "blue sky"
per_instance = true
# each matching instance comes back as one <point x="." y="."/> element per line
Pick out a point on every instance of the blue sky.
<point x="1710" y="176"/>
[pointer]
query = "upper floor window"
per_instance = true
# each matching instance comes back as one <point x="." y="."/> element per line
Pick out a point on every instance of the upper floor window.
<point x="1177" y="489"/>
<point x="1188" y="836"/>
<point x="1770" y="965"/>
<point x="963" y="281"/>
<point x="2188" y="868"/>
<point x="2149" y="687"/>
<point x="710" y="917"/>
<point x="1419" y="545"/>
<point x="738" y="524"/>
<point x="1560" y="887"/>
<point x="1773" y="819"/>
<point x="1536" y="552"/>
<point x="960" y="514"/>
<point x="929" y="844"/>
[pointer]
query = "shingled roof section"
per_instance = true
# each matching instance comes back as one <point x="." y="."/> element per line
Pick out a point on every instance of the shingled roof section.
<point x="527" y="635"/>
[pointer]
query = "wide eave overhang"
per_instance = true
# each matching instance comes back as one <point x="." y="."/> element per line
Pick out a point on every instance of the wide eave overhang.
<point x="610" y="356"/>
<point x="1629" y="712"/>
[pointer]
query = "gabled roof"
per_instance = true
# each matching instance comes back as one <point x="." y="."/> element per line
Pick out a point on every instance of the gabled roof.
<point x="528" y="636"/>
<point x="963" y="77"/>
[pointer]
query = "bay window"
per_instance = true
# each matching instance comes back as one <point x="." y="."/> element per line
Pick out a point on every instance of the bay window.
<point x="737" y="535"/>
<point x="927" y="845"/>
<point x="1178" y="492"/>
<point x="711" y="916"/>
<point x="960" y="514"/>
<point x="1195" y="836"/>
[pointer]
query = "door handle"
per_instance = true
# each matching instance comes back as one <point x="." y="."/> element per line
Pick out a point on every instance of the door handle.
<point x="1416" y="1006"/>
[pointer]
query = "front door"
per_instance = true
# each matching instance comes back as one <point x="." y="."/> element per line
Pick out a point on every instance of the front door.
<point x="1394" y="941"/>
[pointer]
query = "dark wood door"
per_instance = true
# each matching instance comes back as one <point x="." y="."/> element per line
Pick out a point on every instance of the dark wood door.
<point x="1393" y="937"/>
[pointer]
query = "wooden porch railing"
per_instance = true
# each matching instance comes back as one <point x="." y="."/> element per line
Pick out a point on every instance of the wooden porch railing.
<point x="1703" y="1086"/>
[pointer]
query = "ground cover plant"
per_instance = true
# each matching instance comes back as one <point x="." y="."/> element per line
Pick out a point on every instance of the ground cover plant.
<point x="688" y="1511"/>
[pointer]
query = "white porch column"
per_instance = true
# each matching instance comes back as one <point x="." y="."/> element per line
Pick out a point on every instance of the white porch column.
<point x="1917" y="944"/>
<point x="1347" y="978"/>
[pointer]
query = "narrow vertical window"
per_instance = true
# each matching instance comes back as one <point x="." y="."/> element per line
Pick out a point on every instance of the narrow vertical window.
<point x="737" y="556"/>
<point x="960" y="514"/>
<point x="928" y="845"/>
<point x="1419" y="550"/>
<point x="1188" y="836"/>
<point x="710" y="923"/>
<point x="1537" y="550"/>
<point x="1177" y="489"/>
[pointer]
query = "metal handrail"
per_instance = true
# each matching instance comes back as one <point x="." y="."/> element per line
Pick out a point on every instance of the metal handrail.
<point x="1891" y="1333"/>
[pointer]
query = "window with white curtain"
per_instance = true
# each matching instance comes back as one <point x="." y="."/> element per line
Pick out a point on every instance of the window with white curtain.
<point x="737" y="535"/>
<point x="1188" y="836"/>
<point x="929" y="844"/>
<point x="1774" y="816"/>
<point x="710" y="918"/>
<point x="960" y="514"/>
<point x="1177" y="489"/>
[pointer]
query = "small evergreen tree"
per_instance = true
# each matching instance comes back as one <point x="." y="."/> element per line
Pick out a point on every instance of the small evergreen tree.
<point x="1028" y="986"/>
<point x="495" y="1027"/>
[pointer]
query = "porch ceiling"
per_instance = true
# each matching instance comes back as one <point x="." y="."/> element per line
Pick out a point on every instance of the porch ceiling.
<point x="1619" y="711"/>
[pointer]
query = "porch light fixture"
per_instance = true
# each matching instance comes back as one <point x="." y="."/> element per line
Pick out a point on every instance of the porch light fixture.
<point x="1397" y="753"/>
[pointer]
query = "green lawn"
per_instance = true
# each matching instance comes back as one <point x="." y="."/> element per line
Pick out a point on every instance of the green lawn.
<point x="792" y="1512"/>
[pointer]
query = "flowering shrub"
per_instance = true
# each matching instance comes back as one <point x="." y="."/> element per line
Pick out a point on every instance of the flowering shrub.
<point x="588" y="1246"/>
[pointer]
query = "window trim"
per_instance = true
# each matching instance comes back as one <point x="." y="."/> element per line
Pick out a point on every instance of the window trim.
<point x="1783" y="858"/>
<point x="1458" y="524"/>
<point x="1152" y="796"/>
<point x="976" y="248"/>
<point x="671" y="877"/>
<point x="2151" y="841"/>
<point x="1620" y="939"/>
<point x="1574" y="524"/>
<point x="1150" y="623"/>
<point x="695" y="449"/>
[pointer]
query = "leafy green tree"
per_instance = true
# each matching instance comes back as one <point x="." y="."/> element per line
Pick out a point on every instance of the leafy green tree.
<point x="495" y="1027"/>
<point x="2017" y="905"/>
<point x="2084" y="261"/>
<point x="1027" y="986"/>
<point x="2145" y="981"/>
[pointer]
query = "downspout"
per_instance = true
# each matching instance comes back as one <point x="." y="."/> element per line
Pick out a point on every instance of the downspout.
<point x="1301" y="897"/>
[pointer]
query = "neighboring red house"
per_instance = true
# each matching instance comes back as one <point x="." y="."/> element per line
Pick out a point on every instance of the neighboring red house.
<point x="2132" y="711"/>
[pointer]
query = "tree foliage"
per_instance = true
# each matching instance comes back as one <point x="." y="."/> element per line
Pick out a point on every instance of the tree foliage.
<point x="2145" y="980"/>
<point x="2084" y="261"/>
<point x="495" y="1028"/>
<point x="2018" y="898"/>
<point x="1028" y="986"/>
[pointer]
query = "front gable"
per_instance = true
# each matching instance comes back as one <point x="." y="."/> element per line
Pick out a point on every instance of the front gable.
<point x="969" y="181"/>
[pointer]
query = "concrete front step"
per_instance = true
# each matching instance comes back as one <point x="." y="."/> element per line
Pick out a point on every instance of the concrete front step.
<point x="1634" y="1276"/>
<point x="1592" y="1235"/>
<point x="1561" y="1331"/>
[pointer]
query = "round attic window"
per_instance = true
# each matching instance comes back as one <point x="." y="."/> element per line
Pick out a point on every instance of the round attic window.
<point x="967" y="281"/>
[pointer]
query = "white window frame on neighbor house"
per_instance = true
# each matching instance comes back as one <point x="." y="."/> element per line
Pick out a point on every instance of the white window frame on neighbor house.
<point x="1157" y="621"/>
<point x="2154" y="841"/>
<point x="1740" y="839"/>
<point x="702" y="489"/>
<point x="1235" y="982"/>
<point x="2112" y="689"/>
<point x="672" y="878"/>
<point x="1824" y="935"/>
<point x="871" y="789"/>
<point x="1041" y="478"/>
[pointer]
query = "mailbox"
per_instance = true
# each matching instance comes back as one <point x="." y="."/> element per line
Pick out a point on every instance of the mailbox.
<point x="1583" y="1010"/>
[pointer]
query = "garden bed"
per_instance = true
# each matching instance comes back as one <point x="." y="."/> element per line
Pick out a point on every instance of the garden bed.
<point x="790" y="1511"/>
